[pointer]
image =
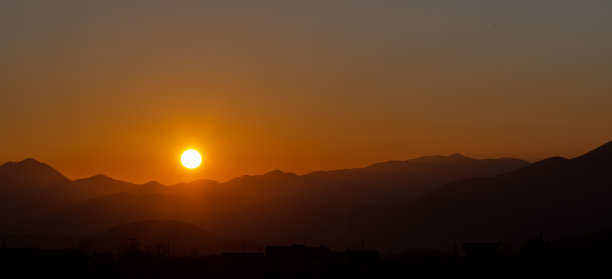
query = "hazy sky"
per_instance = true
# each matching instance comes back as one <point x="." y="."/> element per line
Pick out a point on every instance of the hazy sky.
<point x="122" y="87"/>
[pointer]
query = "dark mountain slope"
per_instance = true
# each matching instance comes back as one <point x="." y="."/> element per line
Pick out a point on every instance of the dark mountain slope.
<point x="563" y="197"/>
<point x="28" y="177"/>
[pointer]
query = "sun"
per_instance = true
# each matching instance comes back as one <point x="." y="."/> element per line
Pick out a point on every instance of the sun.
<point x="191" y="158"/>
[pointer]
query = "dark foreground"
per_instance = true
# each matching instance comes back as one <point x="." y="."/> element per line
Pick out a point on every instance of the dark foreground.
<point x="583" y="256"/>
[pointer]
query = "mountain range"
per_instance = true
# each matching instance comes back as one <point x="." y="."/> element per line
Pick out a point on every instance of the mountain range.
<point x="433" y="201"/>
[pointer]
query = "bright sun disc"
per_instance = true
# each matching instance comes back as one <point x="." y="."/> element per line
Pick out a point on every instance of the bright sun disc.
<point x="191" y="159"/>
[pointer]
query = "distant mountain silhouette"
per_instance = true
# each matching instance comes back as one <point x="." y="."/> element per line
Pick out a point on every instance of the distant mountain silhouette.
<point x="434" y="201"/>
<point x="563" y="197"/>
<point x="35" y="179"/>
<point x="28" y="177"/>
<point x="100" y="184"/>
<point x="382" y="183"/>
<point x="275" y="207"/>
<point x="387" y="183"/>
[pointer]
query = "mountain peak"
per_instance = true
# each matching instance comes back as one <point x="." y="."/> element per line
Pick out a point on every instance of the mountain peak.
<point x="101" y="177"/>
<point x="153" y="183"/>
<point x="458" y="156"/>
<point x="30" y="172"/>
<point x="27" y="162"/>
<point x="96" y="178"/>
<point x="279" y="173"/>
<point x="30" y="161"/>
<point x="434" y="158"/>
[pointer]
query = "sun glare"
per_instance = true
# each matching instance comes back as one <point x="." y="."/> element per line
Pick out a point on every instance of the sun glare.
<point x="191" y="159"/>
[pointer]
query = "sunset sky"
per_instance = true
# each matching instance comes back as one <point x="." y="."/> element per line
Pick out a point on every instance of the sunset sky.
<point x="123" y="87"/>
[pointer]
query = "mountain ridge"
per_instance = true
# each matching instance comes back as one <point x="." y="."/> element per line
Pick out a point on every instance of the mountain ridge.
<point x="403" y="179"/>
<point x="560" y="196"/>
<point x="463" y="199"/>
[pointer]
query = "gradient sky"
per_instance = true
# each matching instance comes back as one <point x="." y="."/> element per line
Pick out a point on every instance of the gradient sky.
<point x="122" y="87"/>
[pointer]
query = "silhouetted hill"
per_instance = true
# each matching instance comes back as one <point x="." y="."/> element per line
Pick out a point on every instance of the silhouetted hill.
<point x="32" y="179"/>
<point x="99" y="185"/>
<point x="563" y="197"/>
<point x="28" y="177"/>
